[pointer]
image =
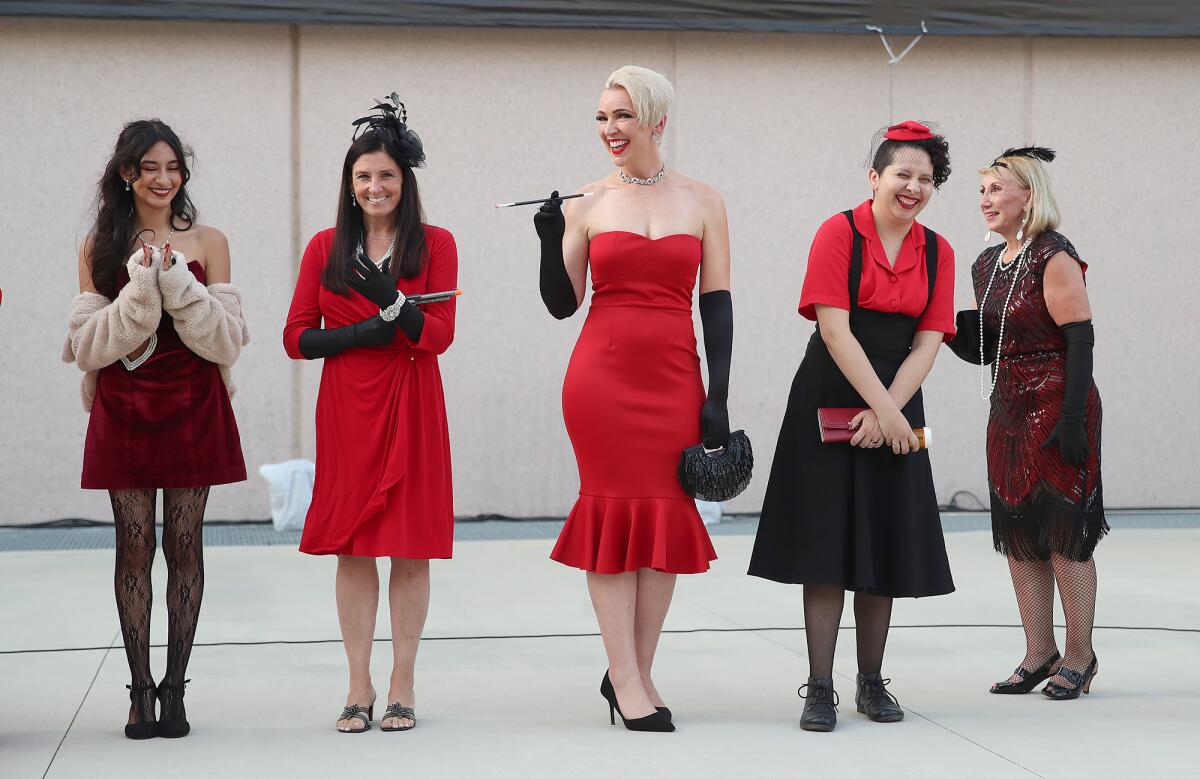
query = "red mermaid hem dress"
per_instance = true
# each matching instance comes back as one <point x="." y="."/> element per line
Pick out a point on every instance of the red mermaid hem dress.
<point x="631" y="402"/>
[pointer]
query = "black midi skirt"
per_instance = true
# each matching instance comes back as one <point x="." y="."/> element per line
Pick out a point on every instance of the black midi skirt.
<point x="865" y="520"/>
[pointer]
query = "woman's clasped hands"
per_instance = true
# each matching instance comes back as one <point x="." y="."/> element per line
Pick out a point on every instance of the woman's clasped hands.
<point x="873" y="430"/>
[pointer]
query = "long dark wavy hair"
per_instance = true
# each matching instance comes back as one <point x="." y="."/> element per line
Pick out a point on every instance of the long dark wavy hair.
<point x="112" y="234"/>
<point x="409" y="255"/>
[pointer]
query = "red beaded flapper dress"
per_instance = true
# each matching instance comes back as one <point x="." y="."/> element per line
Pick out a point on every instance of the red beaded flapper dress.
<point x="382" y="486"/>
<point x="631" y="402"/>
<point x="167" y="423"/>
<point x="1040" y="504"/>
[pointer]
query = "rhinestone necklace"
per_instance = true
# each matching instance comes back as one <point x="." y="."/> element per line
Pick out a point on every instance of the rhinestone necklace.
<point x="657" y="177"/>
<point x="985" y="391"/>
<point x="386" y="256"/>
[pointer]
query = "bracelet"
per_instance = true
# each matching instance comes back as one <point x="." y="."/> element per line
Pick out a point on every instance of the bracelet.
<point x="390" y="313"/>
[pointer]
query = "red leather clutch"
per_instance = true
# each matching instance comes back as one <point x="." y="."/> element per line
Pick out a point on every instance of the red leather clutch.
<point x="834" y="424"/>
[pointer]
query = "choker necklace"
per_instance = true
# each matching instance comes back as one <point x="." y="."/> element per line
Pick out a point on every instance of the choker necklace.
<point x="657" y="177"/>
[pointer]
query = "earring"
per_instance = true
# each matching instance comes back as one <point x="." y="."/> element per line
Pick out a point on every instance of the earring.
<point x="353" y="201"/>
<point x="987" y="237"/>
<point x="1021" y="229"/>
<point x="126" y="185"/>
<point x="657" y="138"/>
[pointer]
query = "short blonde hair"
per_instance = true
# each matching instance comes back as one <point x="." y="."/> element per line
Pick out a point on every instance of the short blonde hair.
<point x="650" y="92"/>
<point x="1031" y="174"/>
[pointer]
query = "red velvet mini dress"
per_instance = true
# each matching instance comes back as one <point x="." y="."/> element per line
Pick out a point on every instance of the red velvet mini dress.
<point x="166" y="423"/>
<point x="382" y="486"/>
<point x="631" y="402"/>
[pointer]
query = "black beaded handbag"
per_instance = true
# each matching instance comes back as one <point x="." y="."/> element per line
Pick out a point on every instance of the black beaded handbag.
<point x="720" y="475"/>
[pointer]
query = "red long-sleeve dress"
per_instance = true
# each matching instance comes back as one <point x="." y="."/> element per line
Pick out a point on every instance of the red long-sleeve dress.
<point x="383" y="485"/>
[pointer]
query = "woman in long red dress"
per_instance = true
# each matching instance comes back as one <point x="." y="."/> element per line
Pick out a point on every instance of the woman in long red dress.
<point x="382" y="484"/>
<point x="156" y="333"/>
<point x="633" y="397"/>
<point x="1043" y="435"/>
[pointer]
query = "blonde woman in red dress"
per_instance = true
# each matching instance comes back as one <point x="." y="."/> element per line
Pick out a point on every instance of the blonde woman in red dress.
<point x="383" y="484"/>
<point x="633" y="397"/>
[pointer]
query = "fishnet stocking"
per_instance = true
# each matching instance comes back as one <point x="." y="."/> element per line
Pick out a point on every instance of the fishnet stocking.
<point x="1033" y="581"/>
<point x="133" y="517"/>
<point x="1077" y="588"/>
<point x="183" y="513"/>
<point x="872" y="618"/>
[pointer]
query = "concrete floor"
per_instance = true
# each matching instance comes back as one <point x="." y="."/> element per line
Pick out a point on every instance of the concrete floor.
<point x="508" y="687"/>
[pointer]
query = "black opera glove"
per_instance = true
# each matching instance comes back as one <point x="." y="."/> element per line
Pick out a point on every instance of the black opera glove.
<point x="558" y="293"/>
<point x="716" y="315"/>
<point x="965" y="343"/>
<point x="371" y="282"/>
<point x="1071" y="431"/>
<point x="316" y="342"/>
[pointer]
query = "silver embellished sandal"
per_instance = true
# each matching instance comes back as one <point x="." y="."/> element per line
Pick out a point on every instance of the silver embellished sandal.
<point x="399" y="712"/>
<point x="360" y="713"/>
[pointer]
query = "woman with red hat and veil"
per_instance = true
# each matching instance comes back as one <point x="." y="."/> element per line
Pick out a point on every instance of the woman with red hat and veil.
<point x="863" y="516"/>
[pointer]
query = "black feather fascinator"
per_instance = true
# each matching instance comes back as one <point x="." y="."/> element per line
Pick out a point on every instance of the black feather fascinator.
<point x="1034" y="152"/>
<point x="391" y="125"/>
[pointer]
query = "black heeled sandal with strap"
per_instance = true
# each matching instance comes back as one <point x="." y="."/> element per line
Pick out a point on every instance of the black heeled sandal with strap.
<point x="1026" y="679"/>
<point x="145" y="727"/>
<point x="399" y="712"/>
<point x="1081" y="681"/>
<point x="173" y="722"/>
<point x="354" y="711"/>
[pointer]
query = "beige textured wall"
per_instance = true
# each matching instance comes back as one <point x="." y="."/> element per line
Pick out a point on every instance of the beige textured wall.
<point x="779" y="124"/>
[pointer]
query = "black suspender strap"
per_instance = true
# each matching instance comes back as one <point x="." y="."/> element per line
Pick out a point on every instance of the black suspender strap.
<point x="856" y="255"/>
<point x="931" y="263"/>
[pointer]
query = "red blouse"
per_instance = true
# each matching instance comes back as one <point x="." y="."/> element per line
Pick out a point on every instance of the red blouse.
<point x="901" y="289"/>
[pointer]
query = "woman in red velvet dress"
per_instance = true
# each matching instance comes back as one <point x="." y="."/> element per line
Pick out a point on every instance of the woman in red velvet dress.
<point x="1043" y="435"/>
<point x="382" y="484"/>
<point x="633" y="397"/>
<point x="156" y="333"/>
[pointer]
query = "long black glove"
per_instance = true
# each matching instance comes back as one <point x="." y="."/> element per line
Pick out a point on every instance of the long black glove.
<point x="316" y="342"/>
<point x="716" y="315"/>
<point x="1071" y="433"/>
<point x="558" y="293"/>
<point x="965" y="342"/>
<point x="379" y="287"/>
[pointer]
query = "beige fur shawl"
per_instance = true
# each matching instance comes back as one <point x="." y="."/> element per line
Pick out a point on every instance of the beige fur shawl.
<point x="208" y="320"/>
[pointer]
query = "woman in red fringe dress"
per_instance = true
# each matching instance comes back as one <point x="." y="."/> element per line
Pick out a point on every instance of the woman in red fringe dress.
<point x="1043" y="436"/>
<point x="383" y="452"/>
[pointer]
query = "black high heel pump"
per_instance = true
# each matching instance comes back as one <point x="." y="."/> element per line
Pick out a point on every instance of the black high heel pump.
<point x="146" y="727"/>
<point x="658" y="722"/>
<point x="1027" y="679"/>
<point x="173" y="722"/>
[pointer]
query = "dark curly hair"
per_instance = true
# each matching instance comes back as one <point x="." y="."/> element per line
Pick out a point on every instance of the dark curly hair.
<point x="936" y="147"/>
<point x="112" y="233"/>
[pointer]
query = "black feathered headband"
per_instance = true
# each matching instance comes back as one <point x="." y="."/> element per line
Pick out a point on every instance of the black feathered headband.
<point x="1033" y="152"/>
<point x="391" y="125"/>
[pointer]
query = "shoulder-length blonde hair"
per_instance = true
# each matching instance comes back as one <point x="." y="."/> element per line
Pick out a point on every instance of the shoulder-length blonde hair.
<point x="1030" y="173"/>
<point x="650" y="92"/>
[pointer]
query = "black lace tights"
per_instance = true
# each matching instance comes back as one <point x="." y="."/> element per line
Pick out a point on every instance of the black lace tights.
<point x="183" y="512"/>
<point x="823" y="614"/>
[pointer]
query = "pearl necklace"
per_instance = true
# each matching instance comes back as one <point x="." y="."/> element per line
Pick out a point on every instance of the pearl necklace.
<point x="657" y="177"/>
<point x="985" y="391"/>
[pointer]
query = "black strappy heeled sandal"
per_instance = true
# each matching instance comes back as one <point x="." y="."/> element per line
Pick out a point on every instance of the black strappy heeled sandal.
<point x="1026" y="679"/>
<point x="399" y="712"/>
<point x="145" y="727"/>
<point x="1081" y="681"/>
<point x="354" y="711"/>
<point x="173" y="722"/>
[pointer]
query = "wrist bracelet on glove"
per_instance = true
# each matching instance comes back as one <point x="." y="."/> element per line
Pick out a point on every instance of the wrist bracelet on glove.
<point x="390" y="313"/>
